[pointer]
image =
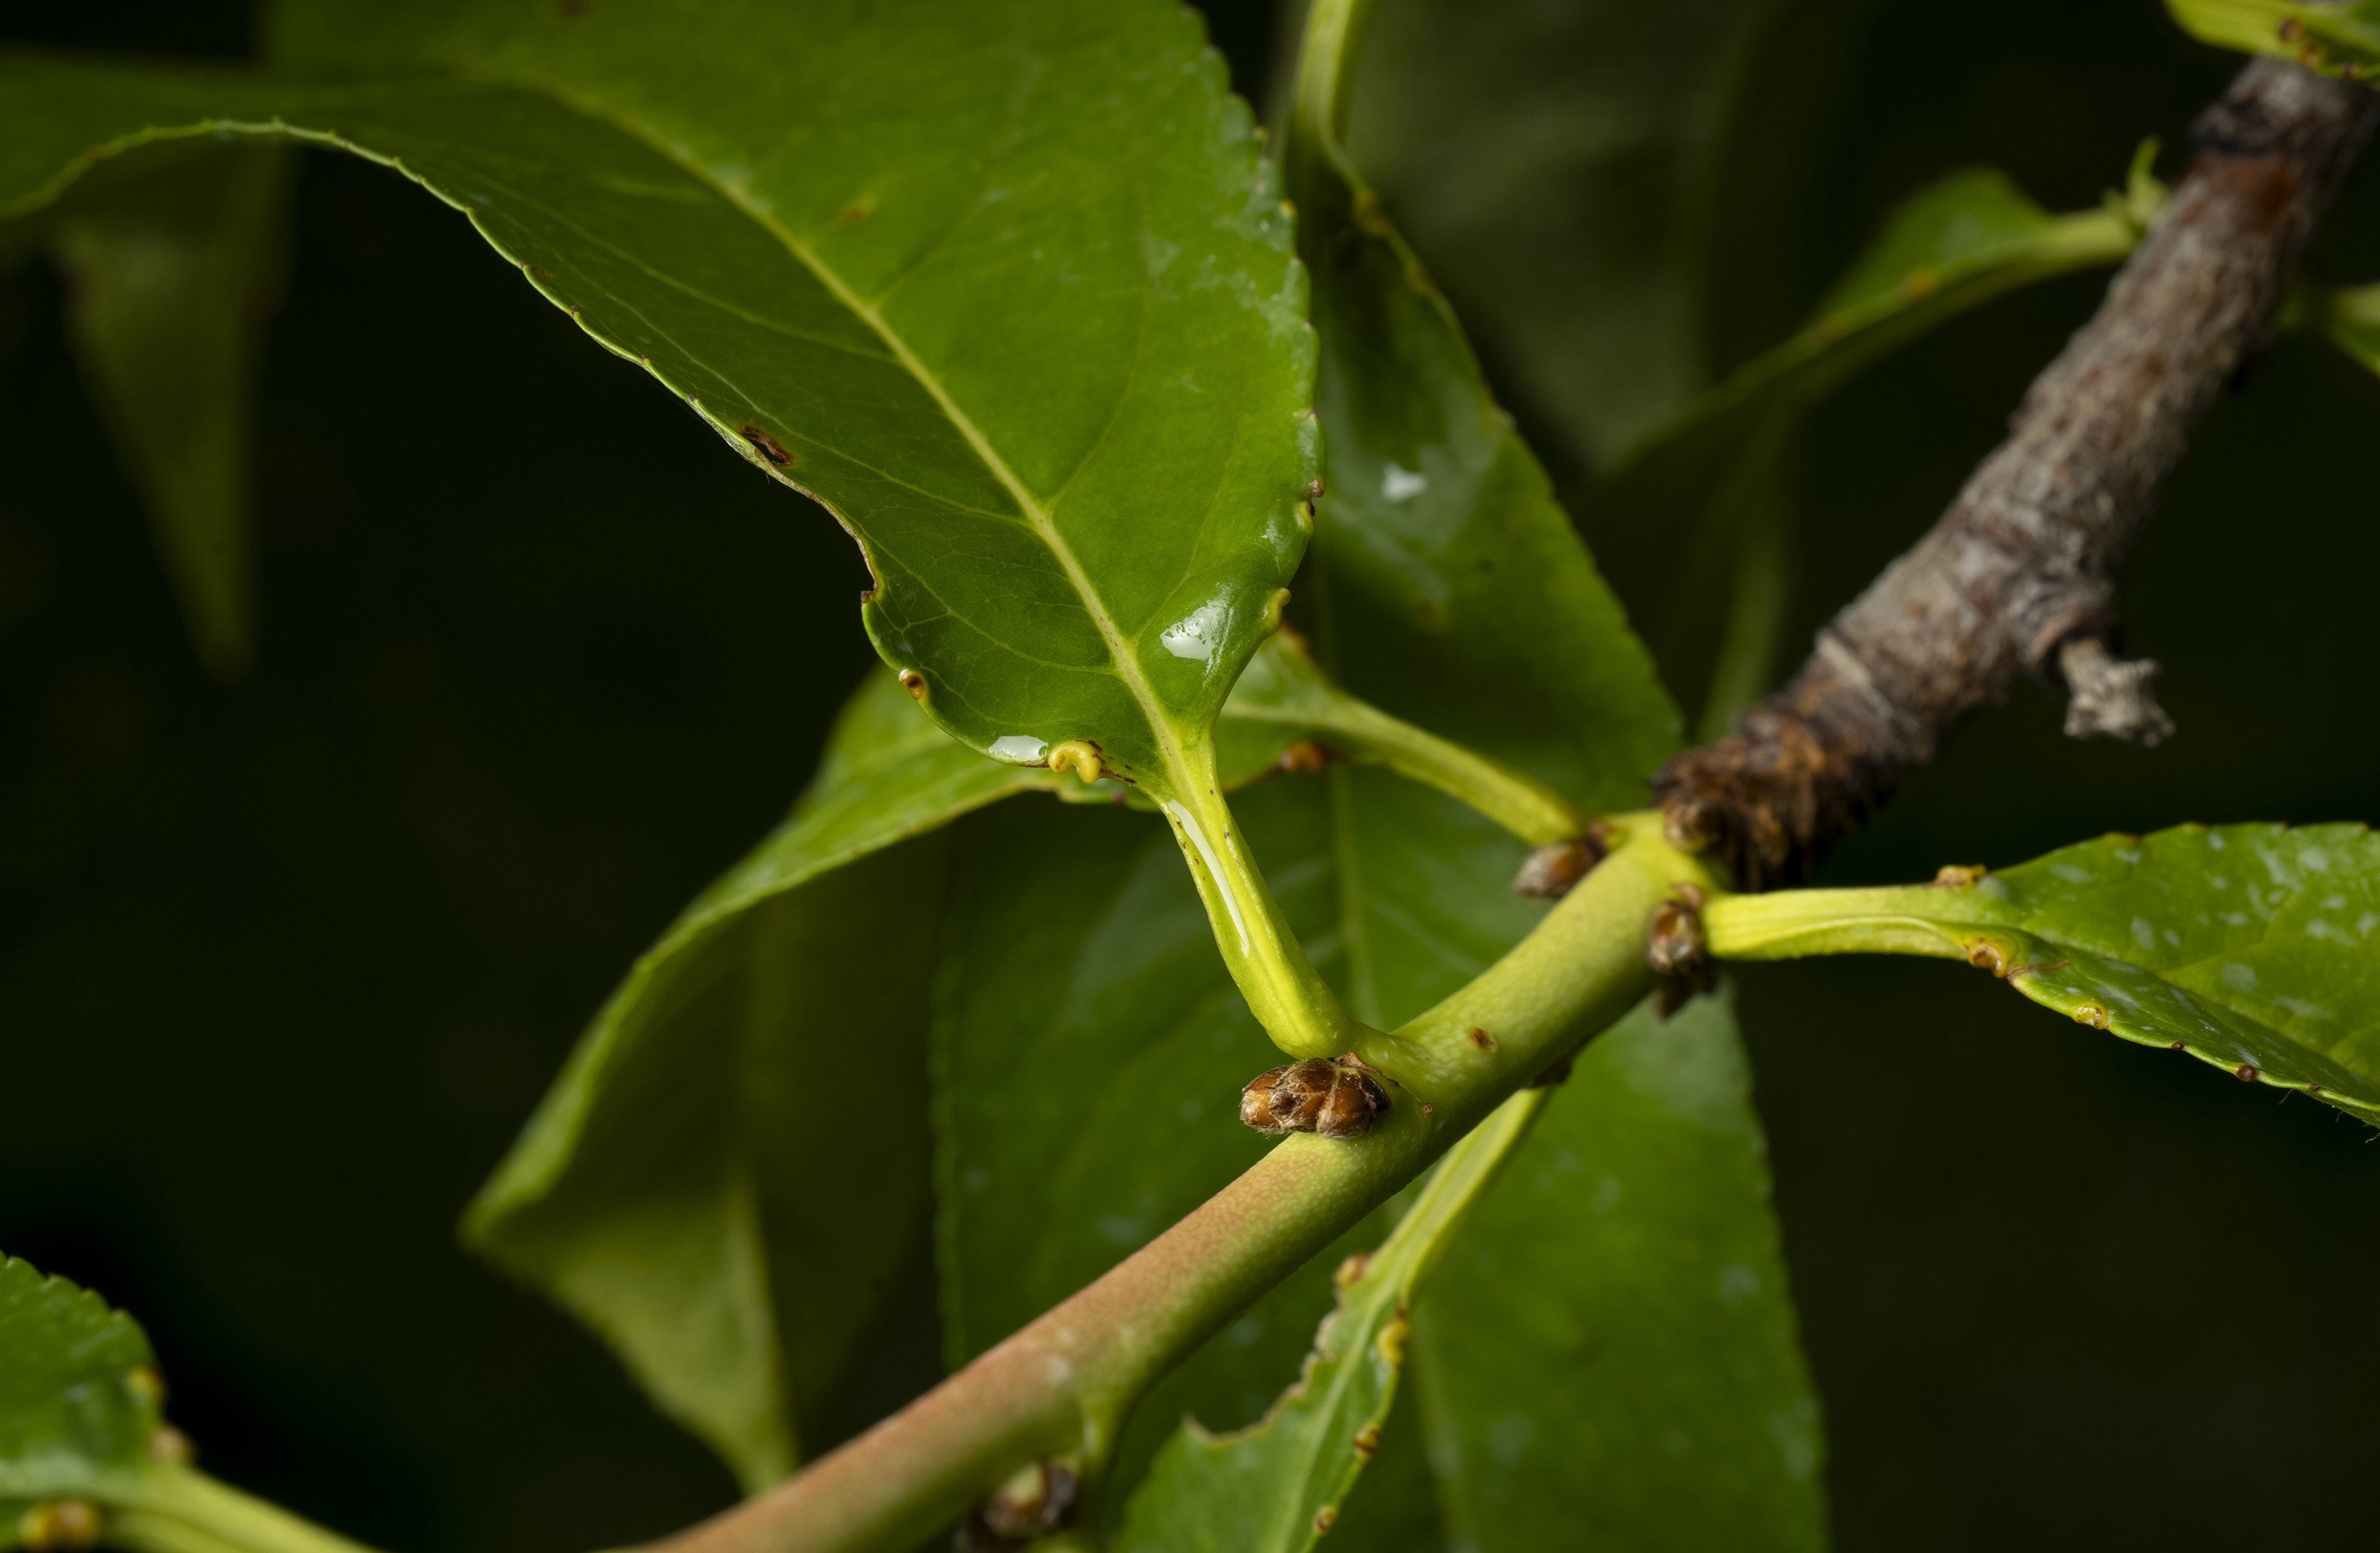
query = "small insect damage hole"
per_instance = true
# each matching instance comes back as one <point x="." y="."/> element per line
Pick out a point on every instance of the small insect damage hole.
<point x="2093" y="1014"/>
<point x="1674" y="947"/>
<point x="1481" y="1040"/>
<point x="1036" y="1501"/>
<point x="1333" y="1098"/>
<point x="1985" y="955"/>
<point x="1959" y="876"/>
<point x="1367" y="1441"/>
<point x="1348" y="1273"/>
<point x="766" y="445"/>
<point x="915" y="684"/>
<point x="1552" y="872"/>
<point x="1324" y="1519"/>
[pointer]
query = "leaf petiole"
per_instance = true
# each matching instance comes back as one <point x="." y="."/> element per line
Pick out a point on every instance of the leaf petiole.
<point x="177" y="1509"/>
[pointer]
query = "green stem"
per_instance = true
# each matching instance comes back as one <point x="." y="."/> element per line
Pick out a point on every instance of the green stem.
<point x="1326" y="76"/>
<point x="1521" y="804"/>
<point x="1785" y="924"/>
<point x="1064" y="1385"/>
<point x="1288" y="996"/>
<point x="176" y="1510"/>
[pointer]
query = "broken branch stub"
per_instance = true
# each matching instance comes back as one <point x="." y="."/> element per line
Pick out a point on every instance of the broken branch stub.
<point x="2018" y="576"/>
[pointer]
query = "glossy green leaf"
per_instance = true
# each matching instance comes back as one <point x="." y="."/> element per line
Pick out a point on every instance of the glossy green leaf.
<point x="1609" y="1348"/>
<point x="2331" y="40"/>
<point x="1088" y="1051"/>
<point x="1277" y="1486"/>
<point x="170" y="278"/>
<point x="1447" y="585"/>
<point x="1444" y="567"/>
<point x="1002" y="283"/>
<point x="676" y="1189"/>
<point x="2250" y="947"/>
<point x="78" y="1393"/>
<point x="673" y="1188"/>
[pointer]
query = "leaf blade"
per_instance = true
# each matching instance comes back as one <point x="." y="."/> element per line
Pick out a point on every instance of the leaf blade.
<point x="2220" y="942"/>
<point x="170" y="279"/>
<point x="957" y="443"/>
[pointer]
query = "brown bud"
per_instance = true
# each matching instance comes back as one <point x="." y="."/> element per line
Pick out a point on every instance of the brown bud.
<point x="1550" y="872"/>
<point x="1673" y="946"/>
<point x="1036" y="1501"/>
<point x="1355" y="1098"/>
<point x="1334" y="1099"/>
<point x="1256" y="1101"/>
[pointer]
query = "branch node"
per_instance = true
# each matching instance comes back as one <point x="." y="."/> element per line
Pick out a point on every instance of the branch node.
<point x="2111" y="695"/>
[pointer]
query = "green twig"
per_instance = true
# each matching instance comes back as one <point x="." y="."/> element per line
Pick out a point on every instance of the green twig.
<point x="176" y="1510"/>
<point x="1062" y="1387"/>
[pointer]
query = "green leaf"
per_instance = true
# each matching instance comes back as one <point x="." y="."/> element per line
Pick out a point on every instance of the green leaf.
<point x="1449" y="586"/>
<point x="1082" y="1015"/>
<point x="2248" y="946"/>
<point x="680" y="1187"/>
<point x="2330" y="39"/>
<point x="1950" y="248"/>
<point x="1277" y="1486"/>
<point x="1444" y="567"/>
<point x="1609" y="1348"/>
<point x="170" y="278"/>
<point x="1002" y="283"/>
<point x="676" y="1189"/>
<point x="79" y="1392"/>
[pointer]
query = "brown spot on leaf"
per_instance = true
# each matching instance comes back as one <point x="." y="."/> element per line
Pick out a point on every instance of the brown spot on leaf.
<point x="1367" y="1439"/>
<point x="1482" y="1039"/>
<point x="767" y="446"/>
<point x="915" y="684"/>
<point x="2245" y="1073"/>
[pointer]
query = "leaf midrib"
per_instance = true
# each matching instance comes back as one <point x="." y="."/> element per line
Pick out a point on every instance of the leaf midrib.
<point x="1125" y="660"/>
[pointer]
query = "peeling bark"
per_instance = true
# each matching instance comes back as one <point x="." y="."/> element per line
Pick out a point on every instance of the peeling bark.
<point x="2017" y="577"/>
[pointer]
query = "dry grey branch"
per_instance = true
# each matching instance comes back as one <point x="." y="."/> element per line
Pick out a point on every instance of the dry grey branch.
<point x="2018" y="576"/>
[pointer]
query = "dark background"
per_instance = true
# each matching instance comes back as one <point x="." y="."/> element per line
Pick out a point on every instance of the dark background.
<point x="283" y="966"/>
